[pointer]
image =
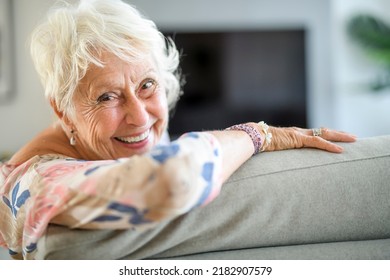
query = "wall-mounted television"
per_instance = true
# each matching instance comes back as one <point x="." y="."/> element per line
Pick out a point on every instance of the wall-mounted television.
<point x="240" y="76"/>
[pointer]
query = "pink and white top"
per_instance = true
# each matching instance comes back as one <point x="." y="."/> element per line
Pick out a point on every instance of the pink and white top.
<point x="138" y="192"/>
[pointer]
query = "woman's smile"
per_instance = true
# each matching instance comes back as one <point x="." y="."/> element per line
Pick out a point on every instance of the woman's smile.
<point x="136" y="143"/>
<point x="134" y="139"/>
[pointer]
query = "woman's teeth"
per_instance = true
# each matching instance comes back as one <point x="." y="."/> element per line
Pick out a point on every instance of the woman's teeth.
<point x="135" y="139"/>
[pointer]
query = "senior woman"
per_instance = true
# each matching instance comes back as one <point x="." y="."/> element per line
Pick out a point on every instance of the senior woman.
<point x="111" y="78"/>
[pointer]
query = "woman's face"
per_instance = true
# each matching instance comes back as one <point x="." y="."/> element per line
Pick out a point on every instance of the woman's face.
<point x="121" y="109"/>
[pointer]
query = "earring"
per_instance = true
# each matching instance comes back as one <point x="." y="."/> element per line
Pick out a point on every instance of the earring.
<point x="72" y="139"/>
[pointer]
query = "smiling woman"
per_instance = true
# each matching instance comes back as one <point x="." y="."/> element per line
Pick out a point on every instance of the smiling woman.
<point x="111" y="78"/>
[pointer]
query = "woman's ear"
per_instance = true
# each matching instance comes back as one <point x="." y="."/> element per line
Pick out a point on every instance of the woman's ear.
<point x="61" y="115"/>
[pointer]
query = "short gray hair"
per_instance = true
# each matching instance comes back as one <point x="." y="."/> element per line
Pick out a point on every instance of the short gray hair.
<point x="72" y="36"/>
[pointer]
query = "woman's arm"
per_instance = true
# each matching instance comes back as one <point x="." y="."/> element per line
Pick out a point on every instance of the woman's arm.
<point x="237" y="146"/>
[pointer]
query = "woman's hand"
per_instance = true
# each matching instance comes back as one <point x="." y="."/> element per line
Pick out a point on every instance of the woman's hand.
<point x="284" y="138"/>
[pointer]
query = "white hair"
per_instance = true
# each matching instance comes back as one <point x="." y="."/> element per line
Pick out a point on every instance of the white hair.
<point x="73" y="36"/>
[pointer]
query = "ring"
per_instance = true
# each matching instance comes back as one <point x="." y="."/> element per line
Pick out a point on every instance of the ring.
<point x="317" y="131"/>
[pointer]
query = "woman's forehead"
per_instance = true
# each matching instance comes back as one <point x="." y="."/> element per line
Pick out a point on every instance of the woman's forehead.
<point x="110" y="61"/>
<point x="114" y="67"/>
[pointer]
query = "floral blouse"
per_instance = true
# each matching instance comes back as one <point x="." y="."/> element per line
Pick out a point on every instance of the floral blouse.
<point x="136" y="192"/>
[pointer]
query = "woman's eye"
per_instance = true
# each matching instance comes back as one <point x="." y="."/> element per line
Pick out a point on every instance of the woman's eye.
<point x="105" y="97"/>
<point x="148" y="84"/>
<point x="147" y="88"/>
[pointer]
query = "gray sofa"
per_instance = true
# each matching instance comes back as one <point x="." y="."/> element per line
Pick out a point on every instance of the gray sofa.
<point x="296" y="204"/>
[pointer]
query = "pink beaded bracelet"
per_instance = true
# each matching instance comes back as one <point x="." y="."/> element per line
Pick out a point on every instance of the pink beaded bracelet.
<point x="253" y="133"/>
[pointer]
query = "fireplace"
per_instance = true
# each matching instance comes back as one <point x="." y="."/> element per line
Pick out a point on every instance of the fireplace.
<point x="240" y="76"/>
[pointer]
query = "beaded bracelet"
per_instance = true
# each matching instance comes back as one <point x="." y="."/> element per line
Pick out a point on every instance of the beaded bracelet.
<point x="253" y="133"/>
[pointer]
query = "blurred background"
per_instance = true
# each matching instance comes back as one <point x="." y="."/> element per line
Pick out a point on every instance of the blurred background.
<point x="287" y="62"/>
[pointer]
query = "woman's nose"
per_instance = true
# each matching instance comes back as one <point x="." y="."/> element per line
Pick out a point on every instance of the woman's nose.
<point x="136" y="112"/>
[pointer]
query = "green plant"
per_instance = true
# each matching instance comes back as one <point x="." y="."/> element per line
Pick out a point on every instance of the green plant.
<point x="373" y="35"/>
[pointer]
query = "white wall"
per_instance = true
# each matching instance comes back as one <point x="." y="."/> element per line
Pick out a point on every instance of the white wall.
<point x="357" y="109"/>
<point x="27" y="113"/>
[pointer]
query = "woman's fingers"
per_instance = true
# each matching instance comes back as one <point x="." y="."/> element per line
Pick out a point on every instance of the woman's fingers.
<point x="320" y="143"/>
<point x="323" y="138"/>
<point x="295" y="137"/>
<point x="337" y="136"/>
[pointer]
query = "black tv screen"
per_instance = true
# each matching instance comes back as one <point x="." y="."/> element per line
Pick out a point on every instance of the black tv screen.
<point x="240" y="76"/>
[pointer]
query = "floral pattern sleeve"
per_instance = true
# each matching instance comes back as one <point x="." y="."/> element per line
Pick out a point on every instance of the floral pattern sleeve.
<point x="137" y="192"/>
